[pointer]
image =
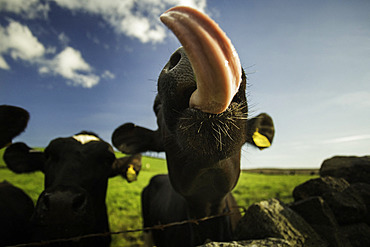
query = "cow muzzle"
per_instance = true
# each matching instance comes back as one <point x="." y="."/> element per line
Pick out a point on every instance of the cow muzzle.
<point x="62" y="206"/>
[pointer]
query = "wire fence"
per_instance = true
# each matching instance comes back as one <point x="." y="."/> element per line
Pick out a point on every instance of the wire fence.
<point x="105" y="234"/>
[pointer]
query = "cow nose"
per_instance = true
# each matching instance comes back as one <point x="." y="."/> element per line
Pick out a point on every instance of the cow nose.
<point x="178" y="67"/>
<point x="59" y="206"/>
<point x="65" y="200"/>
<point x="176" y="83"/>
<point x="174" y="60"/>
<point x="79" y="202"/>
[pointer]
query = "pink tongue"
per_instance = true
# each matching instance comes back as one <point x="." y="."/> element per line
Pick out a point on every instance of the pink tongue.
<point x="214" y="60"/>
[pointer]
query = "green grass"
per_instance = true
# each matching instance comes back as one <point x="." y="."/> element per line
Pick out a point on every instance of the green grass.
<point x="253" y="187"/>
<point x="124" y="206"/>
<point x="123" y="199"/>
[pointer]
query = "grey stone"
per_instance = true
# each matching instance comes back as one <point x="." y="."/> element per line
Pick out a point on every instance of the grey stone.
<point x="358" y="234"/>
<point x="363" y="190"/>
<point x="318" y="187"/>
<point x="351" y="168"/>
<point x="268" y="242"/>
<point x="347" y="206"/>
<point x="319" y="215"/>
<point x="315" y="211"/>
<point x="272" y="219"/>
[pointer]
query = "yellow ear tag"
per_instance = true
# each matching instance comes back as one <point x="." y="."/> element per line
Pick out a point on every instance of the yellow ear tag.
<point x="260" y="140"/>
<point x="131" y="174"/>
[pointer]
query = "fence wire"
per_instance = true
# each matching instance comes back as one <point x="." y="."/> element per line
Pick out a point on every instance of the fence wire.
<point x="105" y="234"/>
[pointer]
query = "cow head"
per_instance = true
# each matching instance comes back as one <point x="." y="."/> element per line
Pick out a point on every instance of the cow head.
<point x="76" y="171"/>
<point x="202" y="113"/>
<point x="13" y="120"/>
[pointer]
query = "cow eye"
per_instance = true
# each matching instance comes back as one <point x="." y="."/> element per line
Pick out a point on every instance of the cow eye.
<point x="47" y="153"/>
<point x="105" y="152"/>
<point x="107" y="157"/>
<point x="49" y="157"/>
<point x="50" y="154"/>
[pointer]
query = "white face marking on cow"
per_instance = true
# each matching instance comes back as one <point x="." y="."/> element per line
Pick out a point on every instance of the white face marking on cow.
<point x="83" y="139"/>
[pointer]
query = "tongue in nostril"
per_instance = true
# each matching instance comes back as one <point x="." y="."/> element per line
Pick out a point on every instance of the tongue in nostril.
<point x="214" y="60"/>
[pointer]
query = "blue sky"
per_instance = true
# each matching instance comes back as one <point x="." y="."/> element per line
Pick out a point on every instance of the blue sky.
<point x="93" y="65"/>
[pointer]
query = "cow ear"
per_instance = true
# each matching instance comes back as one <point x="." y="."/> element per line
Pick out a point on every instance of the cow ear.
<point x="260" y="131"/>
<point x="13" y="121"/>
<point x="132" y="139"/>
<point x="128" y="167"/>
<point x="20" y="158"/>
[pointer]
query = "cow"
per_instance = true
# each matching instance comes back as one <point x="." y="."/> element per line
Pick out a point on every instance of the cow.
<point x="16" y="209"/>
<point x="202" y="118"/>
<point x="76" y="172"/>
<point x="13" y="120"/>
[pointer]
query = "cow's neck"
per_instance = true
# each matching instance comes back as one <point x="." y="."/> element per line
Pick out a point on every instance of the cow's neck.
<point x="100" y="207"/>
<point x="203" y="184"/>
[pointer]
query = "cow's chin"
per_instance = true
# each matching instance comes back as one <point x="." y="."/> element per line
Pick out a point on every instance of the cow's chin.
<point x="58" y="230"/>
<point x="212" y="136"/>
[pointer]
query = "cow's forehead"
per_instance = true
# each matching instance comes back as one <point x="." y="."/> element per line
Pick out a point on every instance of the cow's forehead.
<point x="85" y="138"/>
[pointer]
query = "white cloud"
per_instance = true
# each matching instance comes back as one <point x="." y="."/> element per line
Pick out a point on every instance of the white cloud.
<point x="108" y="75"/>
<point x="70" y="64"/>
<point x="359" y="99"/>
<point x="50" y="50"/>
<point x="63" y="38"/>
<point x="69" y="61"/>
<point x="142" y="29"/>
<point x="348" y="139"/>
<point x="134" y="18"/>
<point x="3" y="64"/>
<point x="18" y="41"/>
<point x="29" y="9"/>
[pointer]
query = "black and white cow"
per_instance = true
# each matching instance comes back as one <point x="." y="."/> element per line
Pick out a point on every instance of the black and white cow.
<point x="76" y="171"/>
<point x="202" y="117"/>
<point x="16" y="209"/>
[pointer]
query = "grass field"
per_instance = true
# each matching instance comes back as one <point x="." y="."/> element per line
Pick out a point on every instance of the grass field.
<point x="123" y="199"/>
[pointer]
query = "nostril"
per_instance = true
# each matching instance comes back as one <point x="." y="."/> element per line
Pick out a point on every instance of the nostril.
<point x="78" y="202"/>
<point x="174" y="60"/>
<point x="45" y="202"/>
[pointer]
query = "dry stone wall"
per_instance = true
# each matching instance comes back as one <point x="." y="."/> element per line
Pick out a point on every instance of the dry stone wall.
<point x="332" y="210"/>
